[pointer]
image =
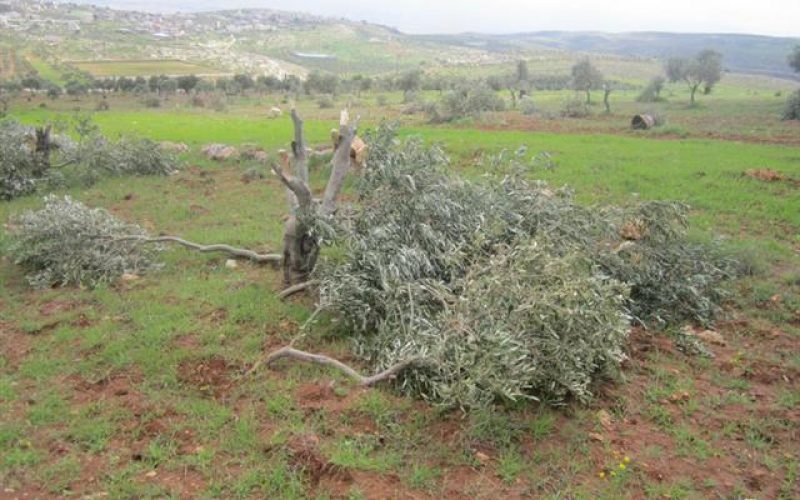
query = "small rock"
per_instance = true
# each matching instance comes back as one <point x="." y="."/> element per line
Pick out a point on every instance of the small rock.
<point x="596" y="437"/>
<point x="152" y="473"/>
<point x="129" y="277"/>
<point x="712" y="337"/>
<point x="231" y="264"/>
<point x="274" y="112"/>
<point x="605" y="419"/>
<point x="482" y="457"/>
<point x="220" y="152"/>
<point x="173" y="147"/>
<point x="679" y="396"/>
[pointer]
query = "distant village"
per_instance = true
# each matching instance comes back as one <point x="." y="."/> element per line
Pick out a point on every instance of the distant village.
<point x="212" y="34"/>
<point x="33" y="15"/>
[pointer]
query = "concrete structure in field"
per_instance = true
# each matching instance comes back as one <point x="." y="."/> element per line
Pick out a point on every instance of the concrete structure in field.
<point x="643" y="122"/>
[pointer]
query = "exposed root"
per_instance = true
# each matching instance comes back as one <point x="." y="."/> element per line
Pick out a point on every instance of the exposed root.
<point x="297" y="289"/>
<point x="232" y="251"/>
<point x="321" y="359"/>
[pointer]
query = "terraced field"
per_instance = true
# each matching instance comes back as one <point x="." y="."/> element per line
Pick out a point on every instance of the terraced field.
<point x="143" y="67"/>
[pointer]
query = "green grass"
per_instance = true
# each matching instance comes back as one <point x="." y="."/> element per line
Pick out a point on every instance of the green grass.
<point x="46" y="70"/>
<point x="708" y="175"/>
<point x="111" y="381"/>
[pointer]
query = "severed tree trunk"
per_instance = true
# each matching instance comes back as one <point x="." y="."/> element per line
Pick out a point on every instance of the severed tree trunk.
<point x="606" y="93"/>
<point x="300" y="247"/>
<point x="42" y="149"/>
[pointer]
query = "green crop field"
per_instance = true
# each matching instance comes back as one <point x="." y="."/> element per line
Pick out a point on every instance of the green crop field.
<point x="142" y="67"/>
<point x="137" y="389"/>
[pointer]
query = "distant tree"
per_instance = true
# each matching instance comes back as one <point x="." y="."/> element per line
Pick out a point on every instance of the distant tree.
<point x="203" y="86"/>
<point x="364" y="84"/>
<point x="75" y="88"/>
<point x="125" y="84"/>
<point x="10" y="86"/>
<point x="222" y="84"/>
<point x="470" y="99"/>
<point x="54" y="91"/>
<point x="106" y="84"/>
<point x="187" y="83"/>
<point x="269" y="83"/>
<point x="410" y="81"/>
<point x="292" y="84"/>
<point x="607" y="89"/>
<point x="585" y="78"/>
<point x="703" y="69"/>
<point x="495" y="82"/>
<point x="675" y="68"/>
<point x="792" y="109"/>
<point x="794" y="58"/>
<point x="519" y="85"/>
<point x="245" y="82"/>
<point x="169" y="86"/>
<point x="156" y="81"/>
<point x="438" y="82"/>
<point x="652" y="92"/>
<point x="523" y="74"/>
<point x="321" y="83"/>
<point x="31" y="82"/>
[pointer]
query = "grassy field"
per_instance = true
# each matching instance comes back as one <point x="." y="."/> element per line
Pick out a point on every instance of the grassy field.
<point x="137" y="389"/>
<point x="46" y="70"/>
<point x="142" y="67"/>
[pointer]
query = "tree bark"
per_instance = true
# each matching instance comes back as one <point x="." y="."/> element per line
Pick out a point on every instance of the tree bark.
<point x="341" y="164"/>
<point x="300" y="248"/>
<point x="297" y="289"/>
<point x="366" y="381"/>
<point x="299" y="148"/>
<point x="42" y="150"/>
<point x="232" y="251"/>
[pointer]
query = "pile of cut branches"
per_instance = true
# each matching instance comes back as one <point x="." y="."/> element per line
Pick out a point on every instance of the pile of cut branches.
<point x="32" y="159"/>
<point x="506" y="288"/>
<point x="68" y="243"/>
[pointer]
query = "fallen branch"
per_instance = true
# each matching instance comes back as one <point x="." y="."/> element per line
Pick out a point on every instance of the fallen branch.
<point x="232" y="251"/>
<point x="297" y="289"/>
<point x="321" y="359"/>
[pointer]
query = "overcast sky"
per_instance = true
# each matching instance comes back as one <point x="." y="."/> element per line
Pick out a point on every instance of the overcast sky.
<point x="766" y="17"/>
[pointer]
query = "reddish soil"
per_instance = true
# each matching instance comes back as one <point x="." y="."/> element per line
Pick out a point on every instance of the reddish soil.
<point x="14" y="345"/>
<point x="209" y="375"/>
<point x="633" y="434"/>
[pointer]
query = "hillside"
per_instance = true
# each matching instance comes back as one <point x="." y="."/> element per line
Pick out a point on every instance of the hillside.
<point x="254" y="41"/>
<point x="742" y="53"/>
<point x="48" y="37"/>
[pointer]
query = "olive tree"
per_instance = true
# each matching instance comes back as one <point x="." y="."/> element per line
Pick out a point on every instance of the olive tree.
<point x="652" y="92"/>
<point x="792" y="109"/>
<point x="794" y="58"/>
<point x="704" y="69"/>
<point x="585" y="78"/>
